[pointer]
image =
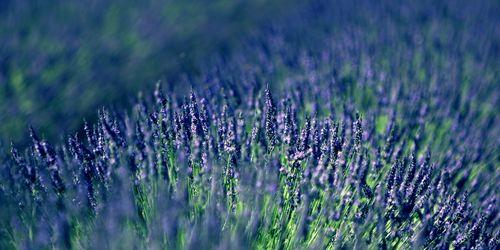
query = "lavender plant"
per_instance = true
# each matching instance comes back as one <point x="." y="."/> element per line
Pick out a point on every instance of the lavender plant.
<point x="351" y="145"/>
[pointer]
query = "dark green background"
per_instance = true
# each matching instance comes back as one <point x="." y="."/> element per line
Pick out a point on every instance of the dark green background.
<point x="62" y="60"/>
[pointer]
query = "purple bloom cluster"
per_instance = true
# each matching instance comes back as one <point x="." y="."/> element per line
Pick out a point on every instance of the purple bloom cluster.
<point x="349" y="150"/>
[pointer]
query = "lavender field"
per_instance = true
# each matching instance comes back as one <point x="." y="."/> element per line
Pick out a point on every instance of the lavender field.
<point x="339" y="125"/>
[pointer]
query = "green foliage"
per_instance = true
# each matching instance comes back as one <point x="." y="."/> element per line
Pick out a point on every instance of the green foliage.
<point x="326" y="130"/>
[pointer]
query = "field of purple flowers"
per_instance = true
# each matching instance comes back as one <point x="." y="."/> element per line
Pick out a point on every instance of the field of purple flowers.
<point x="354" y="125"/>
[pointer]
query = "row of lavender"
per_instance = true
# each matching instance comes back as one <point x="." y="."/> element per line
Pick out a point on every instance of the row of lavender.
<point x="353" y="136"/>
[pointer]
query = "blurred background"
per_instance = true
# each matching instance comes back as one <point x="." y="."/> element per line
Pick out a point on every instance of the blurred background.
<point x="62" y="60"/>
